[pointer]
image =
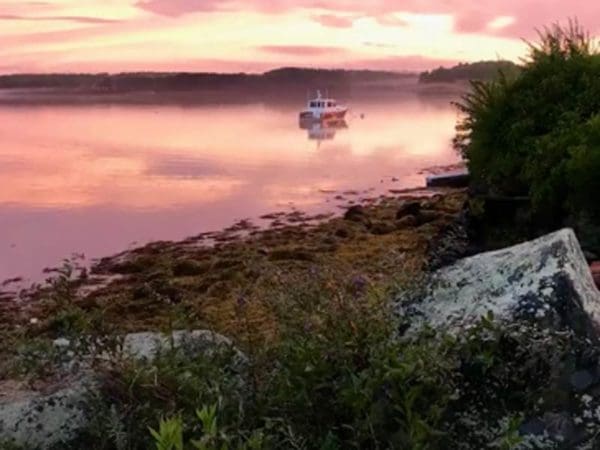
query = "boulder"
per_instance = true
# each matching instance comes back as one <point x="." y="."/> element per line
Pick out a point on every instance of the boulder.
<point x="34" y="419"/>
<point x="547" y="279"/>
<point x="147" y="345"/>
<point x="543" y="285"/>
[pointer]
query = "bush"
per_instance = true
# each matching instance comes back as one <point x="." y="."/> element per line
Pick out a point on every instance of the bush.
<point x="537" y="134"/>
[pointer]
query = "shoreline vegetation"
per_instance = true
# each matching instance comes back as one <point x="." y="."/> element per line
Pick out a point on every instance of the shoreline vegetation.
<point x="317" y="344"/>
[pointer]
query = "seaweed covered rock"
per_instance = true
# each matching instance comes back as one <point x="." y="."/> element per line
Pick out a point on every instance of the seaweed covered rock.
<point x="546" y="280"/>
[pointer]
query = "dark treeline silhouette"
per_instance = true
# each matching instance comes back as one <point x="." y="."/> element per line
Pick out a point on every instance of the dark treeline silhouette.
<point x="480" y="71"/>
<point x="164" y="82"/>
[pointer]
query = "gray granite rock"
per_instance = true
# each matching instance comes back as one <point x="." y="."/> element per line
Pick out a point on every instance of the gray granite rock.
<point x="34" y="420"/>
<point x="147" y="345"/>
<point x="547" y="280"/>
<point x="42" y="420"/>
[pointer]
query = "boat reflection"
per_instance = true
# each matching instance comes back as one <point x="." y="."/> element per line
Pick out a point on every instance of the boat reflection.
<point x="322" y="130"/>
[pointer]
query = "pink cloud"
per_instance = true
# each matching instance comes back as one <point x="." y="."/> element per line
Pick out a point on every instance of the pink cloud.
<point x="301" y="50"/>
<point x="470" y="17"/>
<point x="176" y="8"/>
<point x="334" y="21"/>
<point x="78" y="19"/>
<point x="390" y="21"/>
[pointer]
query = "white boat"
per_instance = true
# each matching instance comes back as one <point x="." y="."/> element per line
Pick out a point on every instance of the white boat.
<point x="323" y="109"/>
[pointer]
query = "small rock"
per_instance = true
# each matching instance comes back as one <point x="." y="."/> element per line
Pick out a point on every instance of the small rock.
<point x="61" y="343"/>
<point x="355" y="213"/>
<point x="410" y="208"/>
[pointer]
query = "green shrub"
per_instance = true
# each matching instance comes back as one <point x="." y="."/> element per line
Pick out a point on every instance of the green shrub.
<point x="536" y="134"/>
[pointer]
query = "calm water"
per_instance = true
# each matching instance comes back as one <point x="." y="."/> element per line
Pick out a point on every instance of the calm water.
<point x="97" y="179"/>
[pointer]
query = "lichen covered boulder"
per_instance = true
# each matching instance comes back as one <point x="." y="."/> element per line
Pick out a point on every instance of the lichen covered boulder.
<point x="147" y="345"/>
<point x="546" y="280"/>
<point x="58" y="413"/>
<point x="35" y="420"/>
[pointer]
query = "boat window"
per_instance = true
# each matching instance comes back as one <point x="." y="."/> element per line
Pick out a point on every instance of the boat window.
<point x="313" y="104"/>
<point x="329" y="104"/>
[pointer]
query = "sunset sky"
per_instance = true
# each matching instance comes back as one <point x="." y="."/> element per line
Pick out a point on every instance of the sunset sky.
<point x="258" y="35"/>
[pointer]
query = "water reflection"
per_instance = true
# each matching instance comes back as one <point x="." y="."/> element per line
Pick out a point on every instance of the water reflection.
<point x="322" y="130"/>
<point x="94" y="179"/>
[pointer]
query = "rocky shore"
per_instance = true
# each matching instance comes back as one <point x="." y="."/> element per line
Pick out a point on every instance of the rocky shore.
<point x="537" y="298"/>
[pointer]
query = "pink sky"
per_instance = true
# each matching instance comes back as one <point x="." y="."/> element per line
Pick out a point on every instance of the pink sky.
<point x="257" y="35"/>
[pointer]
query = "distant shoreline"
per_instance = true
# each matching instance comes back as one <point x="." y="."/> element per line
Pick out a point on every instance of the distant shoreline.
<point x="184" y="88"/>
<point x="381" y="92"/>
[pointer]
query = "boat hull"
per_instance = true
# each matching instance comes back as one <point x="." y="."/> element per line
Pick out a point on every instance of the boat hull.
<point x="325" y="115"/>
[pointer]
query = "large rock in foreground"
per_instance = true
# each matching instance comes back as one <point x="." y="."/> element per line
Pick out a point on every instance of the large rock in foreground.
<point x="33" y="419"/>
<point x="546" y="280"/>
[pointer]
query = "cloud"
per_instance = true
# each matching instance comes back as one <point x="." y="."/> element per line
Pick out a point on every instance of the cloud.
<point x="301" y="50"/>
<point x="177" y="8"/>
<point x="78" y="19"/>
<point x="501" y="22"/>
<point x="389" y="20"/>
<point x="469" y="16"/>
<point x="334" y="20"/>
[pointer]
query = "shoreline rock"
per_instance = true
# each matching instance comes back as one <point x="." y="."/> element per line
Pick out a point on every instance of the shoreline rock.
<point x="36" y="419"/>
<point x="547" y="279"/>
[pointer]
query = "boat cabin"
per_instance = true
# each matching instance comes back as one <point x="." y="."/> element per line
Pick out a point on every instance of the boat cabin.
<point x="322" y="103"/>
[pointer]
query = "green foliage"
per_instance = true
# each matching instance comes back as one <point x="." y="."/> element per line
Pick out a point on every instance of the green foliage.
<point x="169" y="435"/>
<point x="338" y="375"/>
<point x="480" y="71"/>
<point x="537" y="134"/>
